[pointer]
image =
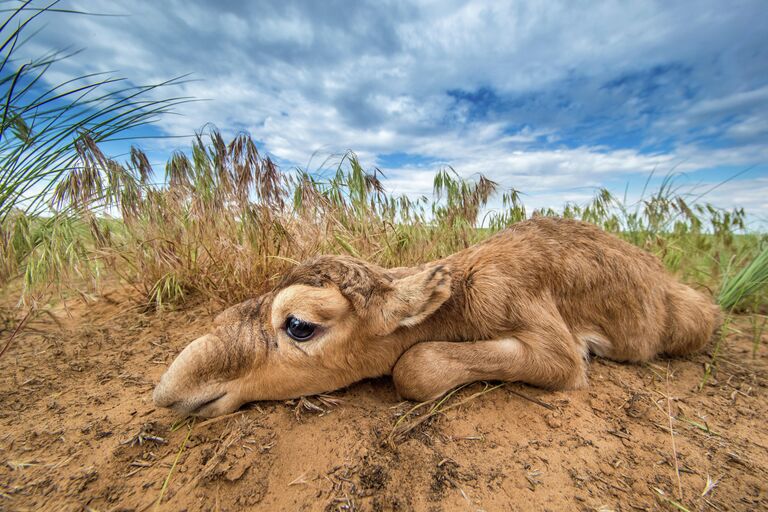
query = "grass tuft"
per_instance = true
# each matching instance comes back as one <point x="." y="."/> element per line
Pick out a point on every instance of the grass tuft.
<point x="750" y="280"/>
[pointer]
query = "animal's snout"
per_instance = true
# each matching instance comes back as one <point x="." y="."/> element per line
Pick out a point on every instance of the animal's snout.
<point x="161" y="397"/>
<point x="183" y="386"/>
<point x="194" y="384"/>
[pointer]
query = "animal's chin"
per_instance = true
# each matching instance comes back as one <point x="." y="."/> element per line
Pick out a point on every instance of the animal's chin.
<point x="216" y="405"/>
<point x="206" y="404"/>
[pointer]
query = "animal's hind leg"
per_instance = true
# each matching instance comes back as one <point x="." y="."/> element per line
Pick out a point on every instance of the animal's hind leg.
<point x="543" y="353"/>
<point x="692" y="319"/>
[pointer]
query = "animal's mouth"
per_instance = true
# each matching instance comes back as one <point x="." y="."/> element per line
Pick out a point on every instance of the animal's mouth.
<point x="196" y="408"/>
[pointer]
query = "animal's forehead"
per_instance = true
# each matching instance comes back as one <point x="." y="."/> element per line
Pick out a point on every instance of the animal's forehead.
<point x="310" y="303"/>
<point x="355" y="279"/>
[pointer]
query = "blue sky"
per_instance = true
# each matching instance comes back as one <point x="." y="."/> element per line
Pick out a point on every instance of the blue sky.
<point x="551" y="98"/>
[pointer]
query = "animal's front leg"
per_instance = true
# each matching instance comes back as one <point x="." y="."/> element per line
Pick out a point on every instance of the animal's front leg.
<point x="430" y="369"/>
<point x="427" y="370"/>
<point x="545" y="357"/>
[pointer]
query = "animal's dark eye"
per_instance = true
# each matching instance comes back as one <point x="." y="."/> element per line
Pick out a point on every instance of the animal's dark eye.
<point x="299" y="330"/>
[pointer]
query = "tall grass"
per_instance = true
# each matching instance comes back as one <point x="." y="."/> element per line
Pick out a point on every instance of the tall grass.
<point x="43" y="122"/>
<point x="747" y="282"/>
<point x="226" y="221"/>
<point x="42" y="127"/>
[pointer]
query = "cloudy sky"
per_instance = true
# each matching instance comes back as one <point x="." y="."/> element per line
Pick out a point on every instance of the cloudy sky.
<point x="552" y="98"/>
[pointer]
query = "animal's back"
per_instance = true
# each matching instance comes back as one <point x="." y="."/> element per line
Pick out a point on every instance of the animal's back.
<point x="615" y="298"/>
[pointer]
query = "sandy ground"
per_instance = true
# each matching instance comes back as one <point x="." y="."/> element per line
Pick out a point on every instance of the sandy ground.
<point x="78" y="431"/>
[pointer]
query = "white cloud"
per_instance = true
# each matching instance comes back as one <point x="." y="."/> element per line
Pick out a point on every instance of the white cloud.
<point x="565" y="82"/>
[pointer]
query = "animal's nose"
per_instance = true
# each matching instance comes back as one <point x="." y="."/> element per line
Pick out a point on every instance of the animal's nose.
<point x="161" y="397"/>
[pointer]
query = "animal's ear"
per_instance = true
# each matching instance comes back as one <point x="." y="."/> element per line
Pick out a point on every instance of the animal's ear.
<point x="414" y="297"/>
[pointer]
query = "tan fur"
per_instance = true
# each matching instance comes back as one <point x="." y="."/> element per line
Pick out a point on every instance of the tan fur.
<point x="526" y="305"/>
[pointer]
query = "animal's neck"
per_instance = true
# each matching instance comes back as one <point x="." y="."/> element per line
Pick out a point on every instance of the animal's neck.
<point x="446" y="324"/>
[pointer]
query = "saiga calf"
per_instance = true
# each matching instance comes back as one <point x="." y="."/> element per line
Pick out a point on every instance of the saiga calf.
<point x="529" y="304"/>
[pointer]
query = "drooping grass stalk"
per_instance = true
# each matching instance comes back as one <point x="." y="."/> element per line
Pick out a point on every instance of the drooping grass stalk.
<point x="709" y="367"/>
<point x="42" y="122"/>
<point x="44" y="128"/>
<point x="758" y="328"/>
<point x="164" y="488"/>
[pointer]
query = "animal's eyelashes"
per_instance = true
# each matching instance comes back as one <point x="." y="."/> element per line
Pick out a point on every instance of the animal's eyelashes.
<point x="299" y="330"/>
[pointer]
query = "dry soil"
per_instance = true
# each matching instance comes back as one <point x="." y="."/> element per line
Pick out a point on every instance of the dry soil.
<point x="78" y="431"/>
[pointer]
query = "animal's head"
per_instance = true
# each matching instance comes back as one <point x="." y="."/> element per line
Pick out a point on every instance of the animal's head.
<point x="329" y="322"/>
